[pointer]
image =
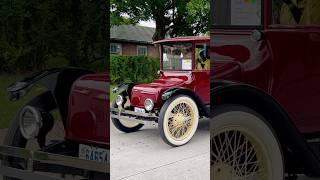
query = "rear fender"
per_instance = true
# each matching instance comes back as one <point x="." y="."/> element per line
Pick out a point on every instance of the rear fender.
<point x="298" y="155"/>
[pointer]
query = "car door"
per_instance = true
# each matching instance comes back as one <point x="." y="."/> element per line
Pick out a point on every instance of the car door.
<point x="296" y="66"/>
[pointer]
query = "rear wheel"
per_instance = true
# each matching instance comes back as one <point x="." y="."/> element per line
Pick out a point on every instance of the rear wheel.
<point x="243" y="146"/>
<point x="178" y="120"/>
<point x="125" y="125"/>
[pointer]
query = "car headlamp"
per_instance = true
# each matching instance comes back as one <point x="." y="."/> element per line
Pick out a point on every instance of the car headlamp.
<point x="119" y="100"/>
<point x="148" y="104"/>
<point x="30" y="122"/>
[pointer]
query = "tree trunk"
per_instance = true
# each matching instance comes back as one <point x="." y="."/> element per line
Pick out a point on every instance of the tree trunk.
<point x="160" y="32"/>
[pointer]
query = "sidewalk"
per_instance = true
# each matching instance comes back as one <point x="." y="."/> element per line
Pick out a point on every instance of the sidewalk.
<point x="144" y="156"/>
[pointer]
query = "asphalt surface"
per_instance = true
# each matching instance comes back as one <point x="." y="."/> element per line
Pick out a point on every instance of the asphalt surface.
<point x="144" y="156"/>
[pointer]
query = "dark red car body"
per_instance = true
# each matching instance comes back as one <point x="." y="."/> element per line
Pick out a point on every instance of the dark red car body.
<point x="278" y="75"/>
<point x="88" y="116"/>
<point x="195" y="80"/>
<point x="285" y="64"/>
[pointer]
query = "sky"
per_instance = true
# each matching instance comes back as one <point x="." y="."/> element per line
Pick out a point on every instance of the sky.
<point x="147" y="23"/>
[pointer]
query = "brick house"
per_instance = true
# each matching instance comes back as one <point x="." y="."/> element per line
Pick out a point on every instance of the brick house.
<point x="130" y="40"/>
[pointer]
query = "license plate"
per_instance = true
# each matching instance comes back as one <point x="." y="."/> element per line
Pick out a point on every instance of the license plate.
<point x="93" y="153"/>
<point x="139" y="110"/>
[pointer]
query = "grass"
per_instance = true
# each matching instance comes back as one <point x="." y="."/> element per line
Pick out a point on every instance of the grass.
<point x="112" y="95"/>
<point x="8" y="109"/>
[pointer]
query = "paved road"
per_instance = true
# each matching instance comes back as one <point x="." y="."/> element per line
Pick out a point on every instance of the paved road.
<point x="143" y="155"/>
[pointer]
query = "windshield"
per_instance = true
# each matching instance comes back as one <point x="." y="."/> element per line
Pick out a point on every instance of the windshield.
<point x="236" y="12"/>
<point x="177" y="56"/>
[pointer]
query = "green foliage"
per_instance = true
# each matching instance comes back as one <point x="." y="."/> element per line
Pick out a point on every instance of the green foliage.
<point x="133" y="68"/>
<point x="198" y="15"/>
<point x="33" y="31"/>
<point x="176" y="18"/>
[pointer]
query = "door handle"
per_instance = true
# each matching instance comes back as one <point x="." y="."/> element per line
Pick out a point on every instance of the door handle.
<point x="257" y="35"/>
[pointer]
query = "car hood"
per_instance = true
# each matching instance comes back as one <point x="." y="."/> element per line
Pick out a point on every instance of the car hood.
<point x="154" y="90"/>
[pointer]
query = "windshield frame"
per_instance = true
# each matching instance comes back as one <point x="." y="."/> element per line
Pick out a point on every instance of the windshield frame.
<point x="232" y="27"/>
<point x="192" y="56"/>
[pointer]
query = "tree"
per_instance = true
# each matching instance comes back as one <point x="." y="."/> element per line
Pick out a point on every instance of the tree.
<point x="31" y="31"/>
<point x="173" y="17"/>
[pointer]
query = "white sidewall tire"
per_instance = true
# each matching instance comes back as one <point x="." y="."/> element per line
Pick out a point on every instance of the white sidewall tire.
<point x="164" y="122"/>
<point x="244" y="118"/>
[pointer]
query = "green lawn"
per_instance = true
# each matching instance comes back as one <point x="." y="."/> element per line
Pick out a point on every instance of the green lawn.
<point x="8" y="109"/>
<point x="112" y="95"/>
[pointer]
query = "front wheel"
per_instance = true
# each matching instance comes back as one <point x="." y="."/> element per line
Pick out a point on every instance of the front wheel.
<point x="178" y="120"/>
<point x="243" y="145"/>
<point x="125" y="125"/>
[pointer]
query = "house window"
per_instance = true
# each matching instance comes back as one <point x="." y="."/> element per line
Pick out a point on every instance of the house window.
<point x="115" y="48"/>
<point x="142" y="50"/>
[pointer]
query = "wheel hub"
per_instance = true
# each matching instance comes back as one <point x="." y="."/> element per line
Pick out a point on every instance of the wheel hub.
<point x="178" y="120"/>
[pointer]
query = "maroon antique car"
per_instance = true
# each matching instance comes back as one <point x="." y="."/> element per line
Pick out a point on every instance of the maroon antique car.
<point x="176" y="100"/>
<point x="80" y="98"/>
<point x="265" y="91"/>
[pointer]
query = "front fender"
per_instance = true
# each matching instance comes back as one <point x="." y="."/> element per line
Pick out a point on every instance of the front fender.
<point x="57" y="81"/>
<point x="203" y="110"/>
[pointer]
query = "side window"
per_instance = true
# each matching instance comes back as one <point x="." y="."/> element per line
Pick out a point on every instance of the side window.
<point x="286" y="12"/>
<point x="311" y="13"/>
<point x="115" y="48"/>
<point x="296" y="12"/>
<point x="236" y="12"/>
<point x="202" y="58"/>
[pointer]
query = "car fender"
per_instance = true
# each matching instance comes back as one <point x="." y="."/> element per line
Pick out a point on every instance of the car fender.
<point x="203" y="109"/>
<point x="57" y="81"/>
<point x="298" y="155"/>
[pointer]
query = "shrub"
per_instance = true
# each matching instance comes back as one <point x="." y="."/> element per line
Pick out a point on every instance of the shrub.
<point x="133" y="68"/>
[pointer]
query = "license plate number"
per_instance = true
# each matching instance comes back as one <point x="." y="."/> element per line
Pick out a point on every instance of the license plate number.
<point x="139" y="110"/>
<point x="93" y="153"/>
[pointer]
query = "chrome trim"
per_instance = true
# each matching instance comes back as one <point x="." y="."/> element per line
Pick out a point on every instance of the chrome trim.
<point x="152" y="103"/>
<point x="119" y="100"/>
<point x="126" y="118"/>
<point x="127" y="112"/>
<point x="38" y="122"/>
<point x="54" y="159"/>
<point x="74" y="162"/>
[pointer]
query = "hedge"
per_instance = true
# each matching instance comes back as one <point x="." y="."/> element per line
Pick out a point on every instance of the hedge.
<point x="136" y="69"/>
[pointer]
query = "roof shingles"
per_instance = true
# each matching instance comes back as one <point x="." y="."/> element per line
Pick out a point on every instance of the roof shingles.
<point x="132" y="33"/>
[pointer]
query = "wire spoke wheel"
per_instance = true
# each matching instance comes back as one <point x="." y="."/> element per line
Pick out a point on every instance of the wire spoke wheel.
<point x="243" y="146"/>
<point x="181" y="121"/>
<point x="178" y="120"/>
<point x="237" y="156"/>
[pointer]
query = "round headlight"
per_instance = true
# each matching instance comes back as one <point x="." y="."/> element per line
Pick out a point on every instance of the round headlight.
<point x="30" y="122"/>
<point x="119" y="100"/>
<point x="148" y="104"/>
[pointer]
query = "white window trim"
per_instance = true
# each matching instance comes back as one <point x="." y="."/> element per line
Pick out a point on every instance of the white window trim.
<point x="146" y="47"/>
<point x="116" y="44"/>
